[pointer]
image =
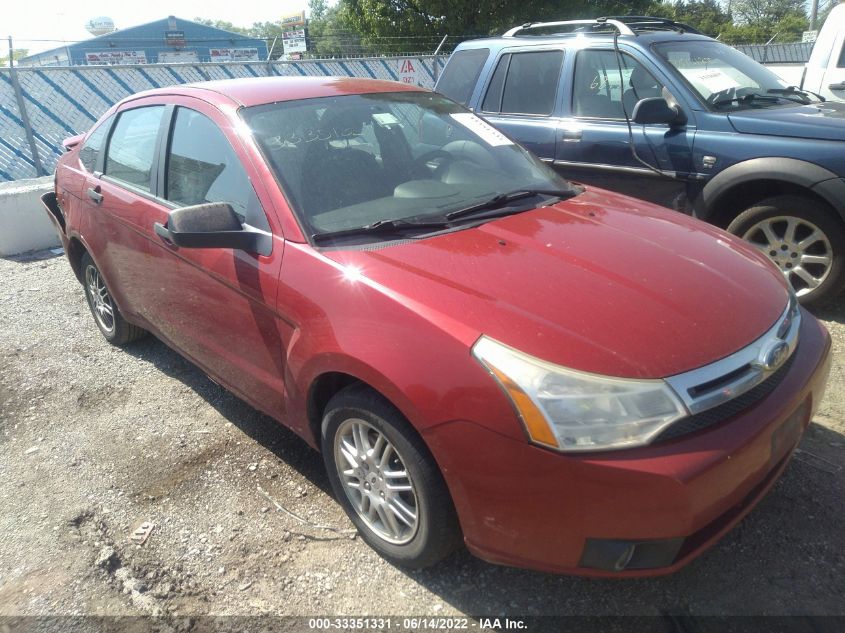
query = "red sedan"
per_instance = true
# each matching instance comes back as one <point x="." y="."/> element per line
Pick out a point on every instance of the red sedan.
<point x="560" y="377"/>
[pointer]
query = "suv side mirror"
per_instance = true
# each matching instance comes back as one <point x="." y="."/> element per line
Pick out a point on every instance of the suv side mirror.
<point x="658" y="110"/>
<point x="212" y="225"/>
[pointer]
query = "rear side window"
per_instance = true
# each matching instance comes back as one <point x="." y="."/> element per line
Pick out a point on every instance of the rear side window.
<point x="90" y="151"/>
<point x="461" y="74"/>
<point x="202" y="167"/>
<point x="132" y="146"/>
<point x="525" y="83"/>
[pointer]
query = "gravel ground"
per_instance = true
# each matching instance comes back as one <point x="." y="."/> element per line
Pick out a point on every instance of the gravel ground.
<point x="95" y="441"/>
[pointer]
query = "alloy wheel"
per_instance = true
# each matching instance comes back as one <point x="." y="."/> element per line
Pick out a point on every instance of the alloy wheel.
<point x="101" y="302"/>
<point x="376" y="481"/>
<point x="798" y="247"/>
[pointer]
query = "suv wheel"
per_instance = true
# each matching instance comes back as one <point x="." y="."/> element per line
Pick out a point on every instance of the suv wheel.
<point x="805" y="240"/>
<point x="386" y="480"/>
<point x="116" y="330"/>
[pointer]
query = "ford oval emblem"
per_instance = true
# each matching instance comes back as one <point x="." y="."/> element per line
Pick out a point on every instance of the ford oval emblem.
<point x="773" y="355"/>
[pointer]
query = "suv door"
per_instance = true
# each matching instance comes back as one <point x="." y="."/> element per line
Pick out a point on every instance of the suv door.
<point x="216" y="304"/>
<point x="522" y="96"/>
<point x="595" y="145"/>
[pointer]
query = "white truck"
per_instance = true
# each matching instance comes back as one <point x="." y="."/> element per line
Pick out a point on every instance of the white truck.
<point x="825" y="72"/>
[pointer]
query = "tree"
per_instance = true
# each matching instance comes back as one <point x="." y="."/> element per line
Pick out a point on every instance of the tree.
<point x="17" y="53"/>
<point x="329" y="34"/>
<point x="405" y="25"/>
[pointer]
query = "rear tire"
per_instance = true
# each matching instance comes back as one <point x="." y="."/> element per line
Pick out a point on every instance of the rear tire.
<point x="116" y="330"/>
<point x="804" y="238"/>
<point x="367" y="447"/>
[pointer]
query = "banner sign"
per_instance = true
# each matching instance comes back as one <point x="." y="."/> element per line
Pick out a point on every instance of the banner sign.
<point x="293" y="19"/>
<point x="233" y="54"/>
<point x="108" y="58"/>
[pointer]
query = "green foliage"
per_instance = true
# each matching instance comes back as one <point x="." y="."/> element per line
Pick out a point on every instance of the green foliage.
<point x="17" y="53"/>
<point x="405" y="25"/>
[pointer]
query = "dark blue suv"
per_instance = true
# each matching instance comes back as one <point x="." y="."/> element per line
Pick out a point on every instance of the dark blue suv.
<point x="653" y="109"/>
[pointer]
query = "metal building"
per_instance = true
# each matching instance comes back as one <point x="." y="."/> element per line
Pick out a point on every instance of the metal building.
<point x="167" y="41"/>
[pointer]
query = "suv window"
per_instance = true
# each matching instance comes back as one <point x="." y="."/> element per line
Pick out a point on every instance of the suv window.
<point x="461" y="74"/>
<point x="524" y="83"/>
<point x="91" y="149"/>
<point x="597" y="91"/>
<point x="132" y="146"/>
<point x="202" y="167"/>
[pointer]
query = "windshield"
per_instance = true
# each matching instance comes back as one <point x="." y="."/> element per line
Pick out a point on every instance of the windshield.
<point x="352" y="161"/>
<point x="723" y="77"/>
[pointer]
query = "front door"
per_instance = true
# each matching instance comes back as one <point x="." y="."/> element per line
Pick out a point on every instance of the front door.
<point x="595" y="143"/>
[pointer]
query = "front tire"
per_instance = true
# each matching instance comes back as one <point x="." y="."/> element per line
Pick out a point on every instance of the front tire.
<point x="116" y="330"/>
<point x="804" y="238"/>
<point x="386" y="480"/>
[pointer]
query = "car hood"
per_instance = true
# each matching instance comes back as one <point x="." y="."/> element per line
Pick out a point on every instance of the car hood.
<point x="599" y="283"/>
<point x="824" y="121"/>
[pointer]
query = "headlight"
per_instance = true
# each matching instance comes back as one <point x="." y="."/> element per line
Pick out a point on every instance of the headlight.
<point x="575" y="411"/>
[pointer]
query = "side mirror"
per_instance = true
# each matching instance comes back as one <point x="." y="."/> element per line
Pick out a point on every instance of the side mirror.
<point x="658" y="110"/>
<point x="212" y="225"/>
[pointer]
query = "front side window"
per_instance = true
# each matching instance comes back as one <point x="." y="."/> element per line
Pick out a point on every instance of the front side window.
<point x="132" y="146"/>
<point x="90" y="151"/>
<point x="350" y="161"/>
<point x="461" y="74"/>
<point x="724" y="78"/>
<point x="600" y="91"/>
<point x="202" y="167"/>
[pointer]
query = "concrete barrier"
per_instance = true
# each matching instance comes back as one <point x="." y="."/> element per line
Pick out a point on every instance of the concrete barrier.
<point x="24" y="225"/>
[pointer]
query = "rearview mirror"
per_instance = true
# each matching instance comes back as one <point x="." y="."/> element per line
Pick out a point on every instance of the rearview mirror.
<point x="212" y="225"/>
<point x="433" y="130"/>
<point x="657" y="110"/>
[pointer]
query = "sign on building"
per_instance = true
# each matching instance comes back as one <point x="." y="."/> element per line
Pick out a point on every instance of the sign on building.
<point x="233" y="54"/>
<point x="407" y="71"/>
<point x="108" y="58"/>
<point x="294" y="41"/>
<point x="178" y="57"/>
<point x="174" y="38"/>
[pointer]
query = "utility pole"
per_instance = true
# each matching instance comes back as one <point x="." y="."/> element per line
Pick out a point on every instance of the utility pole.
<point x="814" y="14"/>
<point x="11" y="53"/>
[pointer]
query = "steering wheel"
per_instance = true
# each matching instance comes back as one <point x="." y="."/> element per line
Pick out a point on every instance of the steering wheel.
<point x="421" y="162"/>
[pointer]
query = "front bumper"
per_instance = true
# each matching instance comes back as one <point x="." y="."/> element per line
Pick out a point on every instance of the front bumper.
<point x="583" y="514"/>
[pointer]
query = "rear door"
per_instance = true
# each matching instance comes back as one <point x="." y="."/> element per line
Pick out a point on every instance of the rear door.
<point x="595" y="142"/>
<point x="116" y="198"/>
<point x="521" y="97"/>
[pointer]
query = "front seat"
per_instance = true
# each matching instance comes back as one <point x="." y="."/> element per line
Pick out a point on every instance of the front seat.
<point x="643" y="86"/>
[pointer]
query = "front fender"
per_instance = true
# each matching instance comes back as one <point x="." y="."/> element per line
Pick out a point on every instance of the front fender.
<point x="810" y="176"/>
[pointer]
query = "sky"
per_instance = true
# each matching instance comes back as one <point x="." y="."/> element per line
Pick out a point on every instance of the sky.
<point x="64" y="20"/>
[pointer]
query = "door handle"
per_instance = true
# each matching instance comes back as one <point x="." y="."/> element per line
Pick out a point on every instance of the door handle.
<point x="839" y="86"/>
<point x="95" y="195"/>
<point x="572" y="135"/>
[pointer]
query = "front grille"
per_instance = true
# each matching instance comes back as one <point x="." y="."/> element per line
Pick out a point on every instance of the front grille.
<point x="728" y="409"/>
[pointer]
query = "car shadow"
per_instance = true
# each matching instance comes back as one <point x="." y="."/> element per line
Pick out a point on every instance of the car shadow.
<point x="282" y="442"/>
<point x="832" y="310"/>
<point x="784" y="558"/>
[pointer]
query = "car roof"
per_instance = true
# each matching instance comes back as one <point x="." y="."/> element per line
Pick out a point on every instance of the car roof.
<point x="259" y="90"/>
<point x="643" y="38"/>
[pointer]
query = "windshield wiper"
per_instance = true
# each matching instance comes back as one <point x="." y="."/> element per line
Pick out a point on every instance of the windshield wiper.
<point x="748" y="98"/>
<point x="379" y="227"/>
<point x="798" y="92"/>
<point x="500" y="200"/>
